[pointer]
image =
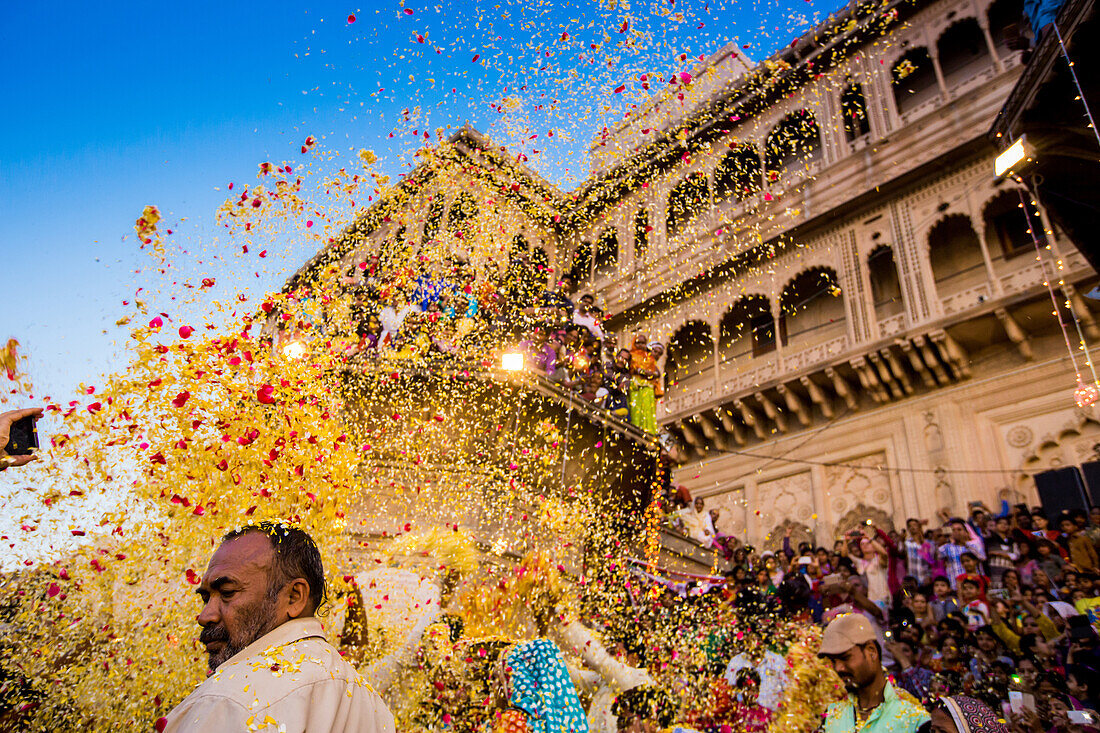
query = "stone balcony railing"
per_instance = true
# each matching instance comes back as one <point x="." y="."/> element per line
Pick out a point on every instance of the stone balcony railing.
<point x="930" y="130"/>
<point x="779" y="392"/>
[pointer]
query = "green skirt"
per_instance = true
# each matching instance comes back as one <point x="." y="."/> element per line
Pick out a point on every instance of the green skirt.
<point x="643" y="407"/>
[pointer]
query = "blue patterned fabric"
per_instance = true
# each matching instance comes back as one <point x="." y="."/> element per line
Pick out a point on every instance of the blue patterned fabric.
<point x="541" y="688"/>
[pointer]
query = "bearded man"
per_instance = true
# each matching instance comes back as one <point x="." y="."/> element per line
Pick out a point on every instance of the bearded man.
<point x="271" y="666"/>
<point x="873" y="705"/>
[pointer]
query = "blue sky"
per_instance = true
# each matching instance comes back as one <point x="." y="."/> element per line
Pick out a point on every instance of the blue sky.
<point x="109" y="107"/>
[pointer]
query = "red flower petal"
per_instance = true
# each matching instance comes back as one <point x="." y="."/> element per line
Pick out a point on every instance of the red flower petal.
<point x="266" y="394"/>
<point x="186" y="331"/>
<point x="156" y="322"/>
<point x="351" y="18"/>
<point x="181" y="399"/>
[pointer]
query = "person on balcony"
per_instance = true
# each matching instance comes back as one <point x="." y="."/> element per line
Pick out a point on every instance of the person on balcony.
<point x="643" y="399"/>
<point x="697" y="523"/>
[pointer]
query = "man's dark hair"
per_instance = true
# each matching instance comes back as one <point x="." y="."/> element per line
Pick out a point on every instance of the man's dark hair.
<point x="296" y="556"/>
<point x="914" y="647"/>
<point x="1027" y="644"/>
<point x="941" y="577"/>
<point x="955" y="520"/>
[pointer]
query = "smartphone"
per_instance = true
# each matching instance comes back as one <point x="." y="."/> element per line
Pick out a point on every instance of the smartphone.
<point x="1081" y="717"/>
<point x="1021" y="701"/>
<point x="22" y="438"/>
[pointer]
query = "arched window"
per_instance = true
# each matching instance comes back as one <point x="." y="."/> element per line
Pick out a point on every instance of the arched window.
<point x="955" y="255"/>
<point x="686" y="201"/>
<point x="853" y="106"/>
<point x="582" y="263"/>
<point x="434" y="220"/>
<point x="460" y="217"/>
<point x="1004" y="18"/>
<point x="1006" y="226"/>
<point x="540" y="263"/>
<point x="885" y="284"/>
<point x="393" y="249"/>
<point x="690" y="353"/>
<point x="737" y="174"/>
<point x="747" y="329"/>
<point x="811" y="302"/>
<point x="963" y="52"/>
<point x="914" y="80"/>
<point x="607" y="253"/>
<point x="518" y="249"/>
<point x="795" y="142"/>
<point x="641" y="234"/>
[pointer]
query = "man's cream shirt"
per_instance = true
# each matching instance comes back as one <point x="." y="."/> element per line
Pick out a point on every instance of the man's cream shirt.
<point x="290" y="680"/>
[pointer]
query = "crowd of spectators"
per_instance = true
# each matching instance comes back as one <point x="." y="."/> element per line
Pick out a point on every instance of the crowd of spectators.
<point x="999" y="606"/>
<point x="450" y="311"/>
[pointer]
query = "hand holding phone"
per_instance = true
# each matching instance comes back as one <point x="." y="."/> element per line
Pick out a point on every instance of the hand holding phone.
<point x="1082" y="717"/>
<point x="1021" y="701"/>
<point x="18" y="436"/>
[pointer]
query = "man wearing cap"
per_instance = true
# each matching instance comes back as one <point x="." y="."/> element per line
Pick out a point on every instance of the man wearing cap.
<point x="873" y="705"/>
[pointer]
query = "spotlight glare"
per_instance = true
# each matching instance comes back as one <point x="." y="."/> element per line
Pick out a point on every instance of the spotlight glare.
<point x="511" y="361"/>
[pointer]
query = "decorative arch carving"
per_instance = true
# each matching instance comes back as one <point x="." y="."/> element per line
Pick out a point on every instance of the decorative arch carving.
<point x="940" y="221"/>
<point x="799" y="533"/>
<point x="999" y="194"/>
<point x="859" y="514"/>
<point x="1069" y="446"/>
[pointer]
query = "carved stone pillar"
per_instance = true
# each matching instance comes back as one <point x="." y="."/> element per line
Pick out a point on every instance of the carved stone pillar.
<point x="983" y="23"/>
<point x="934" y="54"/>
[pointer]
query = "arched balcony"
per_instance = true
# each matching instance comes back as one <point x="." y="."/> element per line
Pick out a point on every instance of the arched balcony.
<point x="689" y="198"/>
<point x="811" y="309"/>
<point x="963" y="52"/>
<point x="606" y="259"/>
<point x="1007" y="229"/>
<point x="434" y="220"/>
<point x="1005" y="18"/>
<point x="582" y="263"/>
<point x="641" y="235"/>
<point x="882" y="270"/>
<point x="955" y="255"/>
<point x="518" y="249"/>
<point x="461" y="215"/>
<point x="393" y="250"/>
<point x="914" y="80"/>
<point x="737" y="174"/>
<point x="690" y="359"/>
<point x="746" y="331"/>
<point x="792" y="145"/>
<point x="853" y="107"/>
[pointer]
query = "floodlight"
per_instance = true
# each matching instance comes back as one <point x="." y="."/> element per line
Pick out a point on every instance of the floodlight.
<point x="1011" y="159"/>
<point x="511" y="361"/>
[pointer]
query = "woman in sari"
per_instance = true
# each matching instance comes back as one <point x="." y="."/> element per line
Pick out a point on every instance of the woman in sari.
<point x="960" y="714"/>
<point x="643" y="398"/>
<point x="539" y="694"/>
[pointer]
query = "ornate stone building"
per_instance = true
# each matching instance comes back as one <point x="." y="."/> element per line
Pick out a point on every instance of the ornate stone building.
<point x="854" y="308"/>
<point x="856" y="316"/>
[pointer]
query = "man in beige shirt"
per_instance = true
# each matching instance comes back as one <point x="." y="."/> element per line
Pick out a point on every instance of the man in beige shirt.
<point x="273" y="669"/>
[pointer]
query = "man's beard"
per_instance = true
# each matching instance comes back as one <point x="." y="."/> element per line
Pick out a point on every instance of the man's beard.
<point x="854" y="684"/>
<point x="258" y="619"/>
